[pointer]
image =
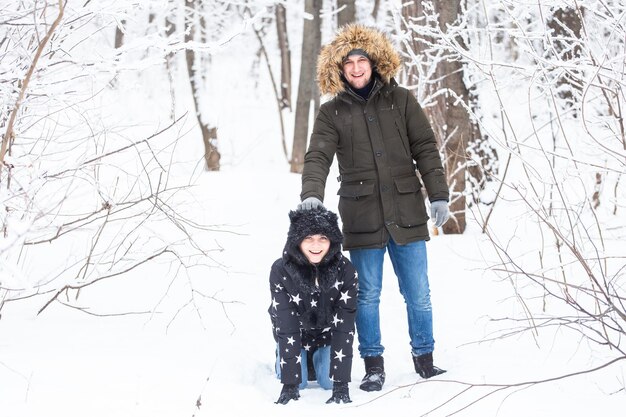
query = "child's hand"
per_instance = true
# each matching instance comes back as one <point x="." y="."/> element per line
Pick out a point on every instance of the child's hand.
<point x="341" y="393"/>
<point x="289" y="392"/>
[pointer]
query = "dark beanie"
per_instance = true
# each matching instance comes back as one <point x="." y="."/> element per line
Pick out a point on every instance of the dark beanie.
<point x="358" y="51"/>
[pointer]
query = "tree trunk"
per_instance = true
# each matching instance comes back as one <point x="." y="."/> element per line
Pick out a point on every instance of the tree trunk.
<point x="566" y="27"/>
<point x="119" y="41"/>
<point x="317" y="45"/>
<point x="347" y="12"/>
<point x="453" y="122"/>
<point x="375" y="9"/>
<point x="9" y="135"/>
<point x="209" y="134"/>
<point x="170" y="64"/>
<point x="450" y="120"/>
<point x="410" y="71"/>
<point x="285" y="57"/>
<point x="311" y="33"/>
<point x="119" y="34"/>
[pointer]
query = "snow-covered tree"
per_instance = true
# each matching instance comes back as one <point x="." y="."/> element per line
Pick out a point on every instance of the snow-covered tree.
<point x="86" y="188"/>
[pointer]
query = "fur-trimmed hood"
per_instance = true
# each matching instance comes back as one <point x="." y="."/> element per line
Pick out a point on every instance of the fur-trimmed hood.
<point x="303" y="274"/>
<point x="385" y="59"/>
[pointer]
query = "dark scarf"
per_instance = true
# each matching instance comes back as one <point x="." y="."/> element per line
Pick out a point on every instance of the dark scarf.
<point x="365" y="91"/>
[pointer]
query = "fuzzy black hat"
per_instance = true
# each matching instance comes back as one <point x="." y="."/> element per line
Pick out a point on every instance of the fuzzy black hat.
<point x="306" y="223"/>
<point x="316" y="221"/>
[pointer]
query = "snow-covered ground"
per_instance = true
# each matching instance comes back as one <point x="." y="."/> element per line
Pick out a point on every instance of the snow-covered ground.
<point x="216" y="358"/>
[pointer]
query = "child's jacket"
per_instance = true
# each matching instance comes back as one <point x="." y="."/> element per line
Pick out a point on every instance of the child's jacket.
<point x="307" y="313"/>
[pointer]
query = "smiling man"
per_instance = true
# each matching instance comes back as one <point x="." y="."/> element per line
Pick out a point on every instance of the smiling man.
<point x="381" y="138"/>
<point x="357" y="70"/>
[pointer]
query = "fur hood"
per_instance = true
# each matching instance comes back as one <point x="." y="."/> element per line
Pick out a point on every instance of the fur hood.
<point x="385" y="59"/>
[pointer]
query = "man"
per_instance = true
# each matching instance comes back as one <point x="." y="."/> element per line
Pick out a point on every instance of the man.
<point x="380" y="136"/>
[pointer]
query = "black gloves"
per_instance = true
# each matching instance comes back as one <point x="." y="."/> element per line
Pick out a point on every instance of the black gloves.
<point x="340" y="393"/>
<point x="289" y="392"/>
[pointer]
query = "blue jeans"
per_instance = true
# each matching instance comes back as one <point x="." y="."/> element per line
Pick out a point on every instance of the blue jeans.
<point x="321" y="364"/>
<point x="410" y="266"/>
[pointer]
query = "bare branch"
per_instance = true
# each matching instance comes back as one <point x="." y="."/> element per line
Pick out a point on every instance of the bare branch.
<point x="9" y="135"/>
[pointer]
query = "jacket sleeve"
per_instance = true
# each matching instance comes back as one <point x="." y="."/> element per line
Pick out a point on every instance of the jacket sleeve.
<point x="286" y="328"/>
<point x="424" y="150"/>
<point x="342" y="330"/>
<point x="319" y="156"/>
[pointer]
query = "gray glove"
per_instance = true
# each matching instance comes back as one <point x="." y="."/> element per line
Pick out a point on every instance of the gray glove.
<point x="439" y="212"/>
<point x="310" y="203"/>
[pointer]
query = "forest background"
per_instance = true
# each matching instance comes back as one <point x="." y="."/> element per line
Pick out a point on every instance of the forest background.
<point x="151" y="151"/>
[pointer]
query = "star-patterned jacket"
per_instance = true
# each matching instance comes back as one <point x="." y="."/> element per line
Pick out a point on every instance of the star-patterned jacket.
<point x="313" y="305"/>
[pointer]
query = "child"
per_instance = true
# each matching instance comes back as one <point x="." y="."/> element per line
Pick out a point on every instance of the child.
<point x="313" y="288"/>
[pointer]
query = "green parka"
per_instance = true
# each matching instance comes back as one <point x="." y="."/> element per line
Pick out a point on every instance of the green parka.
<point x="379" y="143"/>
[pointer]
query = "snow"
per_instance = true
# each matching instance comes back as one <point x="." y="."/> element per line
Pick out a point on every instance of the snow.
<point x="67" y="363"/>
<point x="196" y="340"/>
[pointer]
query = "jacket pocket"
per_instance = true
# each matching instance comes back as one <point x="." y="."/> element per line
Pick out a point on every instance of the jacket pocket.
<point x="359" y="207"/>
<point x="410" y="206"/>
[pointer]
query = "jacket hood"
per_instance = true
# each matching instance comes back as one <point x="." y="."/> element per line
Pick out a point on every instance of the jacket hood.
<point x="303" y="273"/>
<point x="312" y="222"/>
<point x="385" y="59"/>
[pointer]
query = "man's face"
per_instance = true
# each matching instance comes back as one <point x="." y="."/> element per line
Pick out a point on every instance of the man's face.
<point x="357" y="70"/>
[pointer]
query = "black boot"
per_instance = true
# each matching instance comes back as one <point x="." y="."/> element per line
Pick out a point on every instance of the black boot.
<point x="424" y="366"/>
<point x="374" y="374"/>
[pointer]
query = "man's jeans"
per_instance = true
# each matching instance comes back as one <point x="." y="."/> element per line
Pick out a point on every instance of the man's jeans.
<point x="321" y="364"/>
<point x="410" y="265"/>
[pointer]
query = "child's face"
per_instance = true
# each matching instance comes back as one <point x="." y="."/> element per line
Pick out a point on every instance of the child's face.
<point x="315" y="247"/>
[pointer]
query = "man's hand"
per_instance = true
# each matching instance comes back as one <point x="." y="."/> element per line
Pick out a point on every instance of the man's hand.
<point x="310" y="203"/>
<point x="289" y="392"/>
<point x="341" y="393"/>
<point x="439" y="212"/>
